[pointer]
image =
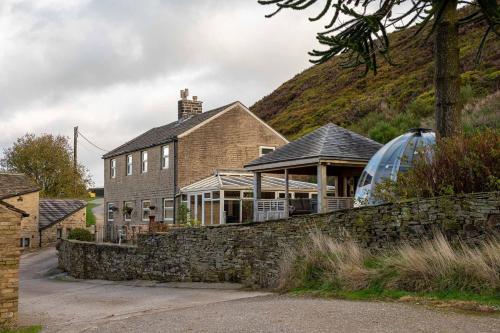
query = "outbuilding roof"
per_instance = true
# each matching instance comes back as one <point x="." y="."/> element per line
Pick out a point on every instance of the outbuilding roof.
<point x="56" y="210"/>
<point x="164" y="134"/>
<point x="327" y="142"/>
<point x="14" y="209"/>
<point x="14" y="184"/>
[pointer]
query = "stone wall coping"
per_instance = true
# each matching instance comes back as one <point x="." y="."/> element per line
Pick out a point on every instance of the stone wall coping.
<point x="114" y="245"/>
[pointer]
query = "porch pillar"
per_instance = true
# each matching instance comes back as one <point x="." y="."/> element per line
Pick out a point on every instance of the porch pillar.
<point x="222" y="219"/>
<point x="322" y="183"/>
<point x="257" y="193"/>
<point x="287" y="196"/>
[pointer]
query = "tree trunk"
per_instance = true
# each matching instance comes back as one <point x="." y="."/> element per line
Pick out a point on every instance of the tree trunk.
<point x="447" y="73"/>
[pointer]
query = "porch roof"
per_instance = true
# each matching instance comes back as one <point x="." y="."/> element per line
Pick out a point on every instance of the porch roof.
<point x="328" y="143"/>
<point x="243" y="181"/>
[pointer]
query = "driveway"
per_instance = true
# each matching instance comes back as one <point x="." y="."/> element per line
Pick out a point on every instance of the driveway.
<point x="65" y="305"/>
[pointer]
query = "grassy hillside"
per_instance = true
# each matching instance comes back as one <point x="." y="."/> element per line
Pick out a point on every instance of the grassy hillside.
<point x="387" y="104"/>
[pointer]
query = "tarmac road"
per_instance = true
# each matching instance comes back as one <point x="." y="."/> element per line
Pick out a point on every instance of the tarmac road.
<point x="65" y="305"/>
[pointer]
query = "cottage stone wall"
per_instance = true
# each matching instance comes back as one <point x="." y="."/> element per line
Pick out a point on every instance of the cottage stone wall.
<point x="75" y="220"/>
<point x="29" y="225"/>
<point x="251" y="253"/>
<point x="229" y="141"/>
<point x="10" y="224"/>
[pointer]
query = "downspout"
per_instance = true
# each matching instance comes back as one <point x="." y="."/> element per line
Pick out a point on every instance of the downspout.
<point x="175" y="141"/>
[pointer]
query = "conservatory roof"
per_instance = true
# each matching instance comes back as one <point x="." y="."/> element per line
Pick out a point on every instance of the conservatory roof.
<point x="244" y="181"/>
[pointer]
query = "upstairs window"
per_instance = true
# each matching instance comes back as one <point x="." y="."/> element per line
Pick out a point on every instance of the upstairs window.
<point x="164" y="157"/>
<point x="144" y="161"/>
<point x="113" y="168"/>
<point x="129" y="165"/>
<point x="263" y="150"/>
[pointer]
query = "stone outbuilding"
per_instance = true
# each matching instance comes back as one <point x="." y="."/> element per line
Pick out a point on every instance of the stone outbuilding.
<point x="10" y="232"/>
<point x="58" y="217"/>
<point x="19" y="191"/>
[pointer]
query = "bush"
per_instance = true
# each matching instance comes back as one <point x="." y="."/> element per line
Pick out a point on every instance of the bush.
<point x="463" y="164"/>
<point x="432" y="266"/>
<point x="81" y="235"/>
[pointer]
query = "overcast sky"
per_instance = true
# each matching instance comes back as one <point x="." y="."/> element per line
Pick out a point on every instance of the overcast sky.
<point x="115" y="67"/>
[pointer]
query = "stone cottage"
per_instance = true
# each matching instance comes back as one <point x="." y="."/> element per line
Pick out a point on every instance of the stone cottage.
<point x="10" y="233"/>
<point x="58" y="217"/>
<point x="46" y="220"/>
<point x="19" y="191"/>
<point x="143" y="177"/>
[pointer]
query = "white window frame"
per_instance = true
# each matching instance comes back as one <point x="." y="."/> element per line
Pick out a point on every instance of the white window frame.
<point x="112" y="166"/>
<point x="165" y="209"/>
<point x="110" y="205"/>
<point x="145" y="209"/>
<point x="144" y="161"/>
<point x="265" y="147"/>
<point x="129" y="161"/>
<point x="125" y="205"/>
<point x="165" y="158"/>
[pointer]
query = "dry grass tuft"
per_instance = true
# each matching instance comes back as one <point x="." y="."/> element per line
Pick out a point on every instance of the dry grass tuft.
<point x="434" y="265"/>
<point x="325" y="260"/>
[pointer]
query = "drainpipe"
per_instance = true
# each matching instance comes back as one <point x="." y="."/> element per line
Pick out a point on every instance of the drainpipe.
<point x="175" y="141"/>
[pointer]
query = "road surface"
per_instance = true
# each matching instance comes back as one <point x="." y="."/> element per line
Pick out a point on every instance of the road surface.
<point x="138" y="306"/>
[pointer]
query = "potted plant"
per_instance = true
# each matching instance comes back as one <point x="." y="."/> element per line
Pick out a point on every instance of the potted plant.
<point x="151" y="213"/>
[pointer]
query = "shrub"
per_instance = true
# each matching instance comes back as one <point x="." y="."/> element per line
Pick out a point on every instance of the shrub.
<point x="81" y="235"/>
<point x="383" y="132"/>
<point x="463" y="164"/>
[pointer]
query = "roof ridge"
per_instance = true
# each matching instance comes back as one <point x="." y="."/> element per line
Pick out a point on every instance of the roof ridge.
<point x="325" y="136"/>
<point x="171" y="127"/>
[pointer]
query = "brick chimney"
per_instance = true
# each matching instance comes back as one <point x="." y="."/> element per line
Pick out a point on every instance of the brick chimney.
<point x="186" y="107"/>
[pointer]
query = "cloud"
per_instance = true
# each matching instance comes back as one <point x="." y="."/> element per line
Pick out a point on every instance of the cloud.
<point x="115" y="67"/>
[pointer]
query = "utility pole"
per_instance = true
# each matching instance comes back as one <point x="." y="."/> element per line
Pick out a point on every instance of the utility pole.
<point x="75" y="146"/>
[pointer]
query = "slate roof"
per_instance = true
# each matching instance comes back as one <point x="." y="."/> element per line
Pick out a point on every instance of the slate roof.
<point x="163" y="134"/>
<point x="14" y="184"/>
<point x="55" y="210"/>
<point x="327" y="142"/>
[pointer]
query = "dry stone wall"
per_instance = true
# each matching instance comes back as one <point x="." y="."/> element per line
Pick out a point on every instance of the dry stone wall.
<point x="251" y="253"/>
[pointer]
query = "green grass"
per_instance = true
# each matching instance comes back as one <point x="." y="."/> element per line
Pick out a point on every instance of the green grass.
<point x="90" y="215"/>
<point x="30" y="329"/>
<point x="375" y="293"/>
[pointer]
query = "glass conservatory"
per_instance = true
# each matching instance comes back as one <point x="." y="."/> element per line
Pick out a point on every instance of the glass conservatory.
<point x="394" y="157"/>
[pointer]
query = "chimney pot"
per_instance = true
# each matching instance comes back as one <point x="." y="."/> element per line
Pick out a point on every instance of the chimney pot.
<point x="186" y="107"/>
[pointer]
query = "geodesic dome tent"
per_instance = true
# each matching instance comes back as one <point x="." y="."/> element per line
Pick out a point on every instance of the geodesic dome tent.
<point x="394" y="157"/>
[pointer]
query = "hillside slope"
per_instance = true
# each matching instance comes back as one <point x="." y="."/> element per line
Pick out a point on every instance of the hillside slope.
<point x="384" y="105"/>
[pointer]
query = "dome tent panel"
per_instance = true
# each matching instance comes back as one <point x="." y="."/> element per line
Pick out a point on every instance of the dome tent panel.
<point x="394" y="157"/>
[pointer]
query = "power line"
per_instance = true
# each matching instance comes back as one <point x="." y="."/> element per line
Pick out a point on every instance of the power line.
<point x="93" y="144"/>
